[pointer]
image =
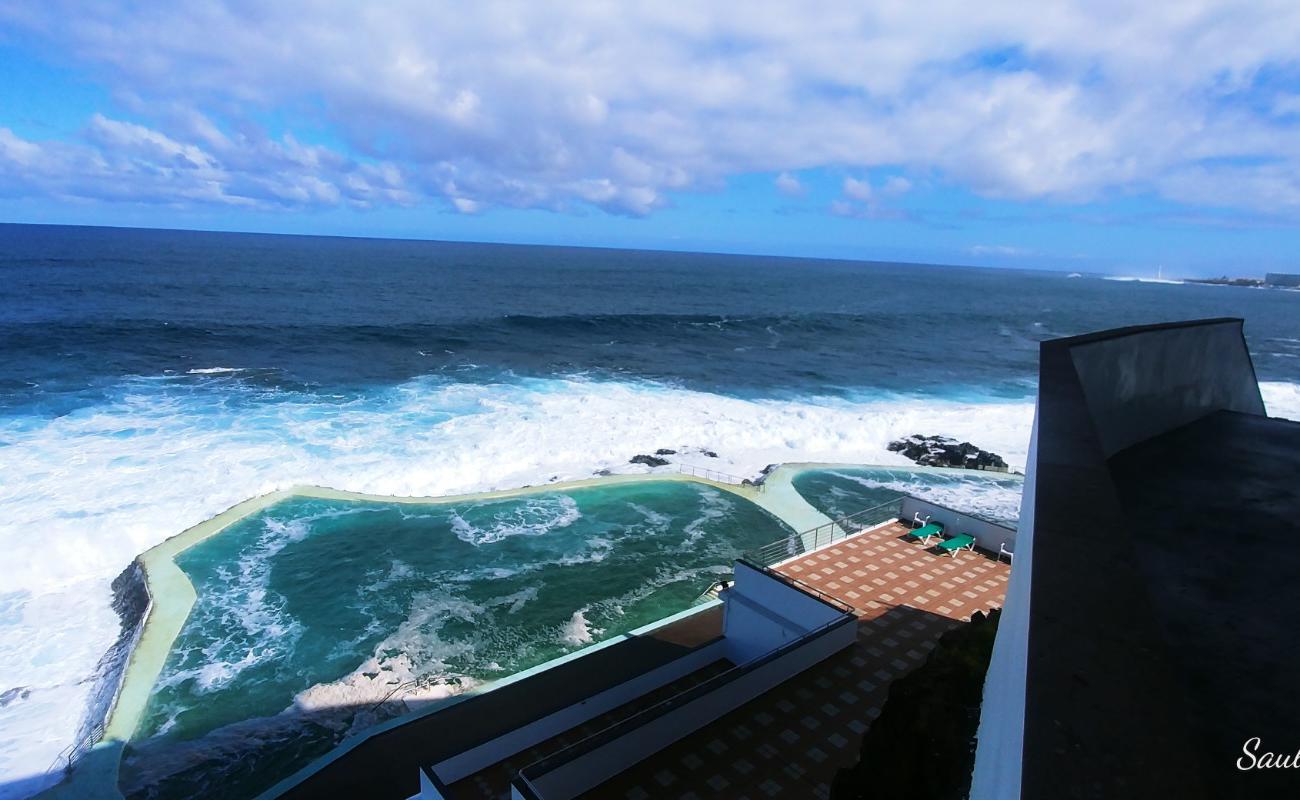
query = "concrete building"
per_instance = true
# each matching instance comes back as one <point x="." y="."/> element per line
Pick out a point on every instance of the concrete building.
<point x="1282" y="279"/>
<point x="1150" y="634"/>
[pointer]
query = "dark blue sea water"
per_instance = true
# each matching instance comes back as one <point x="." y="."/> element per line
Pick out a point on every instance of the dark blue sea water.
<point x="82" y="308"/>
<point x="154" y="378"/>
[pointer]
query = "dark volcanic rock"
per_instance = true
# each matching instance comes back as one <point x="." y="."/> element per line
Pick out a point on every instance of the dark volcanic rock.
<point x="13" y="695"/>
<point x="709" y="453"/>
<point x="131" y="602"/>
<point x="649" y="461"/>
<point x="942" y="451"/>
<point x="664" y="451"/>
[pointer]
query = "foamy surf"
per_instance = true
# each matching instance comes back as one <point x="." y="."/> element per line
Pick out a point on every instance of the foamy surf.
<point x="378" y="682"/>
<point x="536" y="516"/>
<point x="1281" y="399"/>
<point x="105" y="483"/>
<point x="981" y="495"/>
<point x="578" y="631"/>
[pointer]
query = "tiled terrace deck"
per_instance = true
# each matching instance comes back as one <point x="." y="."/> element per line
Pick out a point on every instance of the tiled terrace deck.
<point x="791" y="741"/>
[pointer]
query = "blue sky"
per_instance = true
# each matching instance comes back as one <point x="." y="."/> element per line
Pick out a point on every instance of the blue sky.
<point x="1083" y="136"/>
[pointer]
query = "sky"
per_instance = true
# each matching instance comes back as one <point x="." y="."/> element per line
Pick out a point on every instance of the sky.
<point x="1090" y="136"/>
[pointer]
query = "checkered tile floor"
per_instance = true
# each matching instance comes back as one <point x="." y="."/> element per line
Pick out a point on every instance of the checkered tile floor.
<point x="880" y="570"/>
<point x="790" y="741"/>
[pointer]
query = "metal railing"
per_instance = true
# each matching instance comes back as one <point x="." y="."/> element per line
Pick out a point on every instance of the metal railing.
<point x="807" y="588"/>
<point x="813" y="538"/>
<point x="72" y="753"/>
<point x="718" y="477"/>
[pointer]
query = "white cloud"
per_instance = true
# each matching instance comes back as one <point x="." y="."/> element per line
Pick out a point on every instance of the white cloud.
<point x="862" y="200"/>
<point x="999" y="250"/>
<point x="548" y="105"/>
<point x="843" y="208"/>
<point x="789" y="185"/>
<point x="466" y="206"/>
<point x="125" y="161"/>
<point x="896" y="185"/>
<point x="1286" y="105"/>
<point x="859" y="190"/>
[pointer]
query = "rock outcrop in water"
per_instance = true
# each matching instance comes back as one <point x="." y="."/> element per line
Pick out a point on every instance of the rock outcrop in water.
<point x="131" y="602"/>
<point x="942" y="451"/>
<point x="16" y="694"/>
<point x="649" y="461"/>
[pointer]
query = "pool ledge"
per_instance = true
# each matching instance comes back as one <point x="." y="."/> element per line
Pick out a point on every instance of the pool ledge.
<point x="171" y="595"/>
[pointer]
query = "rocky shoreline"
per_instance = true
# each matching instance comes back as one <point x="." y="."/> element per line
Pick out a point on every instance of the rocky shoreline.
<point x="131" y="602"/>
<point x="943" y="451"/>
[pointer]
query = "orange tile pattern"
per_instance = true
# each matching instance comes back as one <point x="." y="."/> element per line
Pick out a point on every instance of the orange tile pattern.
<point x="791" y="741"/>
<point x="881" y="569"/>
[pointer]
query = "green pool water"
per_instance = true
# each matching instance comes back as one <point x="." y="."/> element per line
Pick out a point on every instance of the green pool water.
<point x="311" y="612"/>
<point x="840" y="491"/>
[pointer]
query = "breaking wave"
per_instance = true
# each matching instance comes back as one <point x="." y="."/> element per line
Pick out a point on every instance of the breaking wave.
<point x="105" y="482"/>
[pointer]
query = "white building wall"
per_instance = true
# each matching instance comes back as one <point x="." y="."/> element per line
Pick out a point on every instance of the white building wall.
<point x="763" y="613"/>
<point x="1001" y="736"/>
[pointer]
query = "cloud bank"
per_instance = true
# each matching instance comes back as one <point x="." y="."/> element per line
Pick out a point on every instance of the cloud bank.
<point x="618" y="106"/>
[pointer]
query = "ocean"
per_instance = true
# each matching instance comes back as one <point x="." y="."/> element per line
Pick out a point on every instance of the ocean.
<point x="155" y="378"/>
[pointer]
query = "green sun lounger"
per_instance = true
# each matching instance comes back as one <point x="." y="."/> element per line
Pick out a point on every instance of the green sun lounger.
<point x="958" y="542"/>
<point x="924" y="534"/>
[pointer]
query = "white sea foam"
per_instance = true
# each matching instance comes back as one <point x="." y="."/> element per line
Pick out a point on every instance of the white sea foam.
<point x="714" y="505"/>
<point x="534" y="516"/>
<point x="85" y="492"/>
<point x="1130" y="279"/>
<point x="578" y="631"/>
<point x="1281" y="399"/>
<point x="241" y="595"/>
<point x="394" y="680"/>
<point x="409" y="665"/>
<point x="517" y="600"/>
<point x="656" y="520"/>
<point x="982" y="496"/>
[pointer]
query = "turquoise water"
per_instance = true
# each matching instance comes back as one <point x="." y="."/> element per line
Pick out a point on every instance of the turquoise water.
<point x="169" y="375"/>
<point x="310" y="612"/>
<point x="841" y="491"/>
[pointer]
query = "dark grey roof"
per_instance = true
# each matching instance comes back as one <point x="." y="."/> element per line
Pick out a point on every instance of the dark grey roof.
<point x="1164" y="588"/>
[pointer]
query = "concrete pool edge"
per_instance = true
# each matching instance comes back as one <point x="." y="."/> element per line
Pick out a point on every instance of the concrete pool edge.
<point x="316" y="764"/>
<point x="172" y="595"/>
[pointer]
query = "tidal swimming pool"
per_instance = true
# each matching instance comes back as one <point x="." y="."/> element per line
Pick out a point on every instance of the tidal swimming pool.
<point x="840" y="491"/>
<point x="318" y="618"/>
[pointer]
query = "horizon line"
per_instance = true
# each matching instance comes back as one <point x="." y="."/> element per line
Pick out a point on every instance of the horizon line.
<point x="378" y="238"/>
